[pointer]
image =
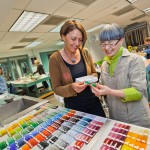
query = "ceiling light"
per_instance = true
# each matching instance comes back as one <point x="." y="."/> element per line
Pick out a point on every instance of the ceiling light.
<point x="57" y="28"/>
<point x="34" y="44"/>
<point x="96" y="28"/>
<point x="27" y="21"/>
<point x="132" y="1"/>
<point x="146" y="10"/>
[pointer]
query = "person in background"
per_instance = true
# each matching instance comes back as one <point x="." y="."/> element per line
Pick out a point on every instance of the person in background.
<point x="147" y="43"/>
<point x="3" y="86"/>
<point x="69" y="63"/>
<point x="2" y="74"/>
<point x="41" y="71"/>
<point x="123" y="79"/>
<point x="1" y="71"/>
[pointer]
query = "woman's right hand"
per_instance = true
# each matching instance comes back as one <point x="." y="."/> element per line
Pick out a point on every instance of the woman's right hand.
<point x="79" y="86"/>
<point x="100" y="90"/>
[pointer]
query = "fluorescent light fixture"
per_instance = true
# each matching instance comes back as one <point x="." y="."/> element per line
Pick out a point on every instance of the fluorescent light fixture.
<point x="132" y="1"/>
<point x="57" y="28"/>
<point x="34" y="44"/>
<point x="27" y="21"/>
<point x="96" y="28"/>
<point x="146" y="10"/>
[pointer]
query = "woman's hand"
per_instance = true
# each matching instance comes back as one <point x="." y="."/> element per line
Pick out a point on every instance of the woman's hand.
<point x="100" y="90"/>
<point x="79" y="86"/>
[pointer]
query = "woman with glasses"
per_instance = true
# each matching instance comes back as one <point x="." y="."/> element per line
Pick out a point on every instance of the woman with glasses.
<point x="71" y="62"/>
<point x="123" y="79"/>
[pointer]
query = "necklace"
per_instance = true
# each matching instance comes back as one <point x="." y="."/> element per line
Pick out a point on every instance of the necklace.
<point x="73" y="60"/>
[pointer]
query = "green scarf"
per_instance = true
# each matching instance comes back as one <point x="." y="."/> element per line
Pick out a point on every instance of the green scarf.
<point x="112" y="61"/>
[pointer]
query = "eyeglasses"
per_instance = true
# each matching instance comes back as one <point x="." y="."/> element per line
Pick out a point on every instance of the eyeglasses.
<point x="110" y="43"/>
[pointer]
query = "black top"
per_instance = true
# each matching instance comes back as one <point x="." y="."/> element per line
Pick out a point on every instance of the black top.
<point x="85" y="101"/>
<point x="40" y="69"/>
<point x="148" y="56"/>
<point x="79" y="70"/>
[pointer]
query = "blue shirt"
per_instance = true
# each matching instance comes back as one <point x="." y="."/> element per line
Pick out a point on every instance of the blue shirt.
<point x="148" y="68"/>
<point x="3" y="86"/>
<point x="147" y="50"/>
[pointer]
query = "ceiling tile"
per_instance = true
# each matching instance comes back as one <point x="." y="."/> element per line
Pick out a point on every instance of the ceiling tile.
<point x="142" y="4"/>
<point x="22" y="44"/>
<point x="10" y="19"/>
<point x="21" y="4"/>
<point x="28" y="39"/>
<point x="129" y="15"/>
<point x="34" y="35"/>
<point x="5" y="8"/>
<point x="124" y="10"/>
<point x="2" y="34"/>
<point x="51" y="36"/>
<point x="46" y="6"/>
<point x="73" y="9"/>
<point x="138" y="17"/>
<point x="94" y="8"/>
<point x="109" y="10"/>
<point x="54" y="20"/>
<point x="12" y="37"/>
<point x="6" y="46"/>
<point x="88" y="24"/>
<point x="43" y="28"/>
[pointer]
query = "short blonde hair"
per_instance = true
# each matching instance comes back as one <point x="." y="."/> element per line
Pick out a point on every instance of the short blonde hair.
<point x="37" y="62"/>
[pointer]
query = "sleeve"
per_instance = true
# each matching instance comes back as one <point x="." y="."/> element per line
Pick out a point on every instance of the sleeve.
<point x="3" y="86"/>
<point x="131" y="94"/>
<point x="137" y="77"/>
<point x="147" y="51"/>
<point x="56" y="79"/>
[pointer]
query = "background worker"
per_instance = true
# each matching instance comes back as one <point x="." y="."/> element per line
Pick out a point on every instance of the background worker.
<point x="41" y="71"/>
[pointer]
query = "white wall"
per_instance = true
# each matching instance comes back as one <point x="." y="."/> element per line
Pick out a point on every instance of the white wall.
<point x="94" y="47"/>
<point x="95" y="51"/>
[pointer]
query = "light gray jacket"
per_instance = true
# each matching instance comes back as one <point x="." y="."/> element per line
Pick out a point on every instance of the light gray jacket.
<point x="129" y="72"/>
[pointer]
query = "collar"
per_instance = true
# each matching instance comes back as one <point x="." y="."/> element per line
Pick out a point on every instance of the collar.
<point x="110" y="60"/>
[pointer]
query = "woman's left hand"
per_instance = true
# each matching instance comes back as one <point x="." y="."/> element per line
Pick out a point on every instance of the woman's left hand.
<point x="100" y="90"/>
<point x="79" y="86"/>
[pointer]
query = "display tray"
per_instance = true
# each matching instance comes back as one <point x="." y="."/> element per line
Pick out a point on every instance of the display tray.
<point x="56" y="128"/>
